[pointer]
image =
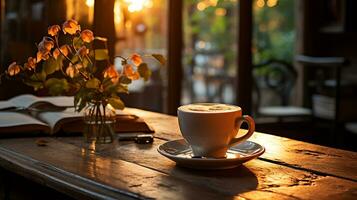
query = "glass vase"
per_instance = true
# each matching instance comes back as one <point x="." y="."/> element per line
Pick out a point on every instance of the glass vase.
<point x="99" y="122"/>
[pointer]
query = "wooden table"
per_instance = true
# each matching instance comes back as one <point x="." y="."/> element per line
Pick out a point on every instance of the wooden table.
<point x="288" y="169"/>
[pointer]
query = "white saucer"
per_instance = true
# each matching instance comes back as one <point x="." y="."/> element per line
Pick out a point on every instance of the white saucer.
<point x="180" y="152"/>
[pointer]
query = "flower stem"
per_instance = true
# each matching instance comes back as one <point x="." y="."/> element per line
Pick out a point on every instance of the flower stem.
<point x="74" y="65"/>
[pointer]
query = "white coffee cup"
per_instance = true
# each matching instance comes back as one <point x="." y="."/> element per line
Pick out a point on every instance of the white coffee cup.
<point x="211" y="128"/>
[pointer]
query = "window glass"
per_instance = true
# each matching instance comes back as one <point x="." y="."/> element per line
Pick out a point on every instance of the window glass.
<point x="141" y="26"/>
<point x="273" y="42"/>
<point x="209" y="61"/>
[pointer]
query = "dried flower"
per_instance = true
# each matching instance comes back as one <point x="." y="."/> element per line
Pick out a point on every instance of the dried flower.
<point x="135" y="76"/>
<point x="136" y="58"/>
<point x="128" y="69"/>
<point x="81" y="67"/>
<point x="130" y="73"/>
<point x="44" y="48"/>
<point x="71" y="71"/>
<point x="53" y="30"/>
<point x="42" y="142"/>
<point x="42" y="56"/>
<point x="46" y="44"/>
<point x="87" y="36"/>
<point x="71" y="27"/>
<point x="31" y="63"/>
<point x="13" y="69"/>
<point x="64" y="49"/>
<point x="56" y="53"/>
<point x="83" y="51"/>
<point x="112" y="73"/>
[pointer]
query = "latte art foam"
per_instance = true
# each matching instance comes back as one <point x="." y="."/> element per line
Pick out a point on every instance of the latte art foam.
<point x="208" y="108"/>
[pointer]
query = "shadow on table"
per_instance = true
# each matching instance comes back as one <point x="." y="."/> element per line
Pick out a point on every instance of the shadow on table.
<point x="230" y="182"/>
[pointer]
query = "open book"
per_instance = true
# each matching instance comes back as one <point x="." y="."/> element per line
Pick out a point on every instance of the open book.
<point x="28" y="101"/>
<point x="60" y="121"/>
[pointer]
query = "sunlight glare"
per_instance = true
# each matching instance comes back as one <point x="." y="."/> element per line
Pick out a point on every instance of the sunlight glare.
<point x="138" y="5"/>
<point x="272" y="3"/>
<point x="90" y="3"/>
<point x="260" y="3"/>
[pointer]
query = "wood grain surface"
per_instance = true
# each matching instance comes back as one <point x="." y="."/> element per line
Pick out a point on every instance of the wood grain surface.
<point x="284" y="151"/>
<point x="288" y="170"/>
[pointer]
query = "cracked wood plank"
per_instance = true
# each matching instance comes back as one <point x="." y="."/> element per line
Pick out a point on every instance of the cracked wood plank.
<point x="140" y="172"/>
<point x="284" y="151"/>
<point x="119" y="173"/>
<point x="256" y="176"/>
<point x="68" y="169"/>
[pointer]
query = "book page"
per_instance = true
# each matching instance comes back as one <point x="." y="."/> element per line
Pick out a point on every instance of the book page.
<point x="55" y="103"/>
<point x="42" y="103"/>
<point x="7" y="105"/>
<point x="56" y="119"/>
<point x="18" y="122"/>
<point x="23" y="101"/>
<point x="122" y="112"/>
<point x="60" y="101"/>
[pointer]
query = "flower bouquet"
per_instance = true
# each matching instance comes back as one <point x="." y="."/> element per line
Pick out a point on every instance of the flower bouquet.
<point x="69" y="62"/>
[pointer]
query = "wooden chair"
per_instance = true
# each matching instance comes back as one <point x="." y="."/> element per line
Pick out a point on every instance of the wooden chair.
<point x="279" y="77"/>
<point x="329" y="105"/>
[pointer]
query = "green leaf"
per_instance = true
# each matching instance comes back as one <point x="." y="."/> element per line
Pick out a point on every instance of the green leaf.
<point x="57" y="86"/>
<point x="144" y="71"/>
<point x="124" y="80"/>
<point x="36" y="85"/>
<point x="85" y="62"/>
<point x="93" y="83"/>
<point x="79" y="100"/>
<point x="101" y="54"/>
<point x="40" y="76"/>
<point x="82" y="97"/>
<point x="81" y="105"/>
<point x="74" y="59"/>
<point x="116" y="102"/>
<point x="51" y="65"/>
<point x="78" y="42"/>
<point x="122" y="88"/>
<point x="160" y="58"/>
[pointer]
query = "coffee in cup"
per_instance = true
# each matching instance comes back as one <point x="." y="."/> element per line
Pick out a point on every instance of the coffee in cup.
<point x="211" y="128"/>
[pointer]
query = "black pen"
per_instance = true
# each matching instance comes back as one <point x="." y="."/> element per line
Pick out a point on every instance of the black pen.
<point x="140" y="138"/>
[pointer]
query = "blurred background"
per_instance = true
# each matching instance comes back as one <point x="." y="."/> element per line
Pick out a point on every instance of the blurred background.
<point x="292" y="64"/>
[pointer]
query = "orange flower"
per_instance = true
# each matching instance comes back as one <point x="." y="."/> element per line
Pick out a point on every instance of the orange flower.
<point x="56" y="53"/>
<point x="71" y="26"/>
<point x="13" y="69"/>
<point x="79" y="66"/>
<point x="42" y="56"/>
<point x="128" y="70"/>
<point x="31" y="63"/>
<point x="44" y="48"/>
<point x="87" y="36"/>
<point x="83" y="51"/>
<point x="134" y="76"/>
<point x="71" y="71"/>
<point x="64" y="49"/>
<point x="136" y="58"/>
<point x="38" y="56"/>
<point x="112" y="73"/>
<point x="53" y="30"/>
<point x="130" y="73"/>
<point x="46" y="44"/>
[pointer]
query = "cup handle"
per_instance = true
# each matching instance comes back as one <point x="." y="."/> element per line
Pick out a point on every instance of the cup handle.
<point x="251" y="128"/>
